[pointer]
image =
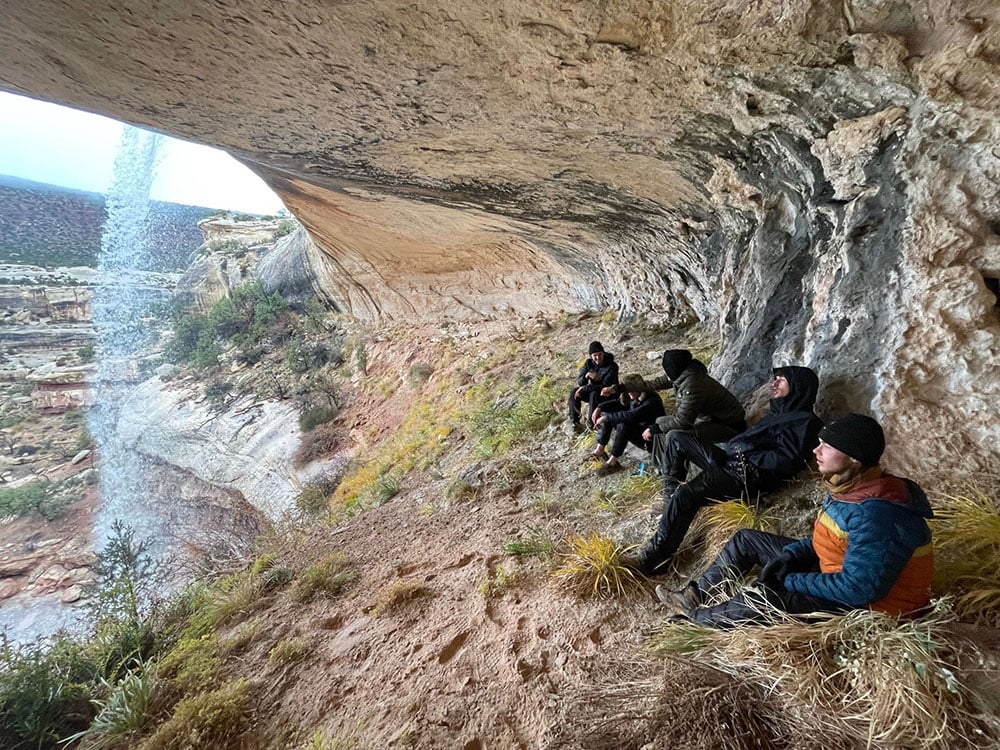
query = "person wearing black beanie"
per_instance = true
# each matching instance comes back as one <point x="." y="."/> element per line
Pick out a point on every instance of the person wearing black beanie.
<point x="598" y="372"/>
<point x="703" y="406"/>
<point x="870" y="547"/>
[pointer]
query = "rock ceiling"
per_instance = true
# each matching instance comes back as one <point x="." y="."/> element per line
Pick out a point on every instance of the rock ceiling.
<point x="814" y="180"/>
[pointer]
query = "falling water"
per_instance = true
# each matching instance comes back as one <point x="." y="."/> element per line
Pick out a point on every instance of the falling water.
<point x="121" y="302"/>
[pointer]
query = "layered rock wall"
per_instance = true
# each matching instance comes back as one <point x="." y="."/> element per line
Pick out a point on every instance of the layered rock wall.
<point x="814" y="181"/>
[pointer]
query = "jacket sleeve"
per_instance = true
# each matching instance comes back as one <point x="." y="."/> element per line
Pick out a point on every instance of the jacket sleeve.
<point x="610" y="376"/>
<point x="581" y="379"/>
<point x="689" y="401"/>
<point x="801" y="551"/>
<point x="661" y="383"/>
<point x="875" y="557"/>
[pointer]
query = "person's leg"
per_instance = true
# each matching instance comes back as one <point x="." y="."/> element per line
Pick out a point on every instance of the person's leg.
<point x="573" y="407"/>
<point x="744" y="550"/>
<point x="593" y="401"/>
<point x="757" y="605"/>
<point x="683" y="447"/>
<point x="712" y="485"/>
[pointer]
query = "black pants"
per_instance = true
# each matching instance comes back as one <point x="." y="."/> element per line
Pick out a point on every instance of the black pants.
<point x="719" y="480"/>
<point x="591" y="399"/>
<point x="746" y="550"/>
<point x="622" y="433"/>
<point x="706" y="432"/>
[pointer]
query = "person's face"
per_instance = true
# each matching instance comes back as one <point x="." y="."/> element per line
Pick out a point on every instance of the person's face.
<point x="598" y="358"/>
<point x="830" y="460"/>
<point x="780" y="387"/>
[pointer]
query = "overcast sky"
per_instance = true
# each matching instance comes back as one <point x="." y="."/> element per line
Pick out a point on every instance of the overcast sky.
<point x="62" y="146"/>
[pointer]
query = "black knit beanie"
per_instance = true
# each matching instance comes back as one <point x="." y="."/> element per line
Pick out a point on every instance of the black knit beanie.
<point x="595" y="346"/>
<point x="858" y="436"/>
<point x="674" y="362"/>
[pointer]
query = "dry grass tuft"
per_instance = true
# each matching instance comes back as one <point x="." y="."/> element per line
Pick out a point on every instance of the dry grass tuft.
<point x="717" y="523"/>
<point x="879" y="680"/>
<point x="631" y="493"/>
<point x="593" y="566"/>
<point x="966" y="532"/>
<point x="399" y="595"/>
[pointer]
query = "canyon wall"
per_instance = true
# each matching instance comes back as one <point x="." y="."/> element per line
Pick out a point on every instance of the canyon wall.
<point x="813" y="181"/>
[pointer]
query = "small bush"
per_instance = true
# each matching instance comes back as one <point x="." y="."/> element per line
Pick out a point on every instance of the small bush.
<point x="533" y="543"/>
<point x="287" y="652"/>
<point x="501" y="581"/>
<point x="399" y="595"/>
<point x="593" y="566"/>
<point x="317" y="416"/>
<point x="24" y="500"/>
<point x="330" y="578"/>
<point x="318" y="443"/>
<point x="313" y="500"/>
<point x="124" y="713"/>
<point x="217" y="719"/>
<point x="194" y="664"/>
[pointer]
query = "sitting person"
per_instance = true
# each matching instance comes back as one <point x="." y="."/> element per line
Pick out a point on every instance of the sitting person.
<point x="870" y="548"/>
<point x="759" y="459"/>
<point x="598" y="371"/>
<point x="704" y="407"/>
<point x="625" y="421"/>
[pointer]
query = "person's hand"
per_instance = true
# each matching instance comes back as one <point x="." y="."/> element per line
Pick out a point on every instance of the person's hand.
<point x="600" y="420"/>
<point x="609" y="390"/>
<point x="595" y="415"/>
<point x="647" y="434"/>
<point x="579" y="392"/>
<point x="773" y="573"/>
<point x="594" y="375"/>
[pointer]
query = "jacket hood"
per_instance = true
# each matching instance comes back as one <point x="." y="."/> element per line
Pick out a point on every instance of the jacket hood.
<point x="695" y="368"/>
<point x="803" y="386"/>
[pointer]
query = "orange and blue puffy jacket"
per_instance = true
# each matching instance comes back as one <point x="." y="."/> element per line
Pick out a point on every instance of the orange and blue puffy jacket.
<point x="874" y="548"/>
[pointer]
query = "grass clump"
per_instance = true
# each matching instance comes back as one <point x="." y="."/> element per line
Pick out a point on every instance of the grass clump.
<point x="499" y="582"/>
<point x="534" y="542"/>
<point x="966" y="534"/>
<point x="401" y="594"/>
<point x="290" y="651"/>
<point x="126" y="711"/>
<point x="631" y="493"/>
<point x="218" y="718"/>
<point x="593" y="566"/>
<point x="881" y="681"/>
<point x="716" y="524"/>
<point x="330" y="578"/>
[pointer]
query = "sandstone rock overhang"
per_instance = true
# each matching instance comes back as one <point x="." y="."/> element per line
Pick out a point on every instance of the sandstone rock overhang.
<point x="815" y="180"/>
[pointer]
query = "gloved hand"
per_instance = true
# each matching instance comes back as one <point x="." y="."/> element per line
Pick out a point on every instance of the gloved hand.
<point x="774" y="572"/>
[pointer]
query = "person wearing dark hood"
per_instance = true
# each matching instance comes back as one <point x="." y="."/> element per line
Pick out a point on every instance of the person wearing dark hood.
<point x="598" y="371"/>
<point x="759" y="459"/>
<point x="625" y="421"/>
<point x="870" y="548"/>
<point x="703" y="405"/>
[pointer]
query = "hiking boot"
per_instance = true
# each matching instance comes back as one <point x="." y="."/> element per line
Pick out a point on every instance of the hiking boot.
<point x="645" y="560"/>
<point x="608" y="469"/>
<point x="674" y="602"/>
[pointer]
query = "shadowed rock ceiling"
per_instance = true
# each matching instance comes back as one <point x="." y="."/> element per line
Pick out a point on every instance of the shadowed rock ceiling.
<point x="814" y="181"/>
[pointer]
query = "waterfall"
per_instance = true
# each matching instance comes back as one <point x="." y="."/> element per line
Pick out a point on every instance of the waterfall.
<point x="122" y="300"/>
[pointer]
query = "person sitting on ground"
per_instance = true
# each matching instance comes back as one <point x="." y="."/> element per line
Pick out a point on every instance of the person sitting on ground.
<point x="623" y="422"/>
<point x="759" y="459"/>
<point x="870" y="548"/>
<point x="704" y="407"/>
<point x="598" y="371"/>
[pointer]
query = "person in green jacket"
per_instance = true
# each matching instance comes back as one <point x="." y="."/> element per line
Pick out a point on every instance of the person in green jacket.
<point x="705" y="408"/>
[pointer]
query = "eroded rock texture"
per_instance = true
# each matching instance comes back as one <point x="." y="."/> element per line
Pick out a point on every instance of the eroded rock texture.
<point x="816" y="180"/>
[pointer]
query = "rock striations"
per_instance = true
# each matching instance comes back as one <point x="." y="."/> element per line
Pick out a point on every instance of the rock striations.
<point x="816" y="181"/>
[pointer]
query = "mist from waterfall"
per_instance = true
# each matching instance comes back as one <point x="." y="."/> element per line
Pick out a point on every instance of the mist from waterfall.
<point x="122" y="300"/>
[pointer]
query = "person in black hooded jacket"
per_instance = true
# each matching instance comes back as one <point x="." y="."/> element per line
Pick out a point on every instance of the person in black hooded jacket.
<point x="599" y="371"/>
<point x="759" y="459"/>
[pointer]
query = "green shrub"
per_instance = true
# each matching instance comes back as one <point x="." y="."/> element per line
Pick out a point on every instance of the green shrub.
<point x="86" y="353"/>
<point x="285" y="226"/>
<point x="45" y="693"/>
<point x="313" y="500"/>
<point x="331" y="578"/>
<point x="124" y="712"/>
<point x="22" y="501"/>
<point x="317" y="416"/>
<point x="217" y="719"/>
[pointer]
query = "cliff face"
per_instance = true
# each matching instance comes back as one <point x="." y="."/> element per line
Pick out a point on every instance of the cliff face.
<point x="815" y="180"/>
